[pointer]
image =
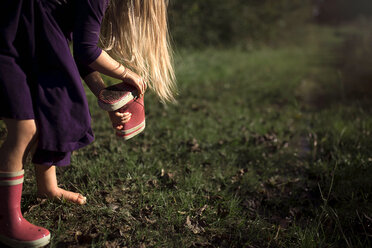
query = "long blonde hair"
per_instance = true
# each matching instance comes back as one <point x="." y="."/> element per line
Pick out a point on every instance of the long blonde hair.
<point x="136" y="33"/>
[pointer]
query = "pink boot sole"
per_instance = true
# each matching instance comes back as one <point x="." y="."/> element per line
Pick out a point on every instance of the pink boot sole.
<point x="23" y="244"/>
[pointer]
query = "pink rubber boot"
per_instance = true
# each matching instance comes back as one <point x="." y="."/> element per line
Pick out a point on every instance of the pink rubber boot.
<point x="137" y="122"/>
<point x="15" y="231"/>
<point x="124" y="98"/>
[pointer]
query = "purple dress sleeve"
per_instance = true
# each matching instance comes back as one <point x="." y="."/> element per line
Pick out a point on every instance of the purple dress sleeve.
<point x="89" y="15"/>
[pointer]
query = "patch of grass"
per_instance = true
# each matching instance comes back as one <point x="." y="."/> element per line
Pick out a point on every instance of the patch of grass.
<point x="249" y="157"/>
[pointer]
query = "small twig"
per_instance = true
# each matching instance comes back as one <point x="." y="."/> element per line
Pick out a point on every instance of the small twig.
<point x="321" y="194"/>
<point x="361" y="221"/>
<point x="330" y="187"/>
<point x="332" y="180"/>
<point x="277" y="234"/>
<point x="367" y="217"/>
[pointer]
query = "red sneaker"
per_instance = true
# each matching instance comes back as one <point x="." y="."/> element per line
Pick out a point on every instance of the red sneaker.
<point x="137" y="122"/>
<point x="124" y="98"/>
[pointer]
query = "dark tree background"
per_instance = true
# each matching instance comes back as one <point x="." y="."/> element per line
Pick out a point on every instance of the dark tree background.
<point x="198" y="23"/>
<point x="339" y="11"/>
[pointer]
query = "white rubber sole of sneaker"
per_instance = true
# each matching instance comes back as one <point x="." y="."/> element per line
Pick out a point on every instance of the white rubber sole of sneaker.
<point x="117" y="105"/>
<point x="25" y="244"/>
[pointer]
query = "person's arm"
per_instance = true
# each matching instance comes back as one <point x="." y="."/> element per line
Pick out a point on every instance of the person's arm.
<point x="95" y="84"/>
<point x="87" y="25"/>
<point x="107" y="65"/>
<point x="88" y="56"/>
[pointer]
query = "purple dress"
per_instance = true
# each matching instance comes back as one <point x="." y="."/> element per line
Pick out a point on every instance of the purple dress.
<point x="39" y="77"/>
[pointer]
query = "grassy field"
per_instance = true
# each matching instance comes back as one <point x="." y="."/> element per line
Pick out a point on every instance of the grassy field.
<point x="267" y="147"/>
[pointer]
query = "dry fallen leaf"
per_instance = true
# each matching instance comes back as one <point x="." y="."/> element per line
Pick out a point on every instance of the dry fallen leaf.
<point x="77" y="235"/>
<point x="150" y="221"/>
<point x="195" y="228"/>
<point x="113" y="207"/>
<point x="109" y="199"/>
<point x="194" y="146"/>
<point x="200" y="211"/>
<point x="112" y="244"/>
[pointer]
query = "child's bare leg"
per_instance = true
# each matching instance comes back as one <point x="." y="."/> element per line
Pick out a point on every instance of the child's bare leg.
<point x="14" y="150"/>
<point x="47" y="185"/>
<point x="46" y="177"/>
<point x="14" y="229"/>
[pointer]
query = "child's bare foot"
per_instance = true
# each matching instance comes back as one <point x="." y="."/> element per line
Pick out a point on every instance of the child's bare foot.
<point x="60" y="194"/>
<point x="47" y="186"/>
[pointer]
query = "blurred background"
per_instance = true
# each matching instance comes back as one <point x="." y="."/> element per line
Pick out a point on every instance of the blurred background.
<point x="300" y="74"/>
<point x="237" y="22"/>
<point x="253" y="24"/>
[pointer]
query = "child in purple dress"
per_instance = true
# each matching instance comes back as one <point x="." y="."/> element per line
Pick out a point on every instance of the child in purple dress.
<point x="42" y="100"/>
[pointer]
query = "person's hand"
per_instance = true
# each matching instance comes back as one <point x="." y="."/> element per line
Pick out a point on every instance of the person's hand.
<point x="135" y="80"/>
<point x="107" y="65"/>
<point x="118" y="119"/>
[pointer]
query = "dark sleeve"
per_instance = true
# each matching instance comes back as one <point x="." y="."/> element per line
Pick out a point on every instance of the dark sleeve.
<point x="10" y="13"/>
<point x="88" y="19"/>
